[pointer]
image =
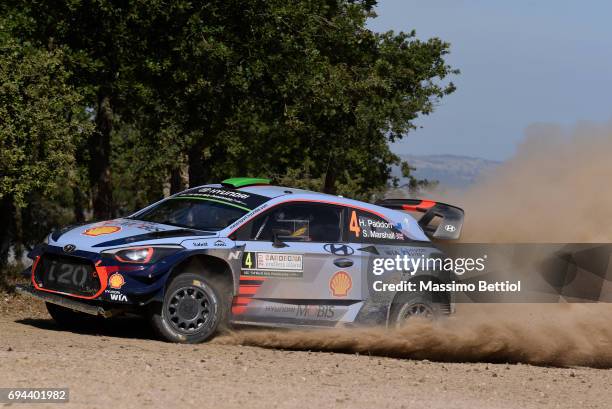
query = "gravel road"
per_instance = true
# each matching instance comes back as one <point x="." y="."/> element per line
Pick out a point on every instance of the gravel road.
<point x="122" y="365"/>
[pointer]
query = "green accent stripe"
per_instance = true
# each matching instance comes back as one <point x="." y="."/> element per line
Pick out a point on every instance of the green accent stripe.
<point x="213" y="200"/>
<point x="240" y="182"/>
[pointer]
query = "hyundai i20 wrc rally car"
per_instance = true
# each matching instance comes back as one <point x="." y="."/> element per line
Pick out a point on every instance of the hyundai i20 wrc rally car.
<point x="243" y="252"/>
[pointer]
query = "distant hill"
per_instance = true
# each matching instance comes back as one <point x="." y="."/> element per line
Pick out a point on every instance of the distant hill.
<point x="450" y="170"/>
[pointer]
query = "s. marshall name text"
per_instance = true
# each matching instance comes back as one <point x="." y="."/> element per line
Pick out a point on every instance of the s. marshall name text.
<point x="432" y="286"/>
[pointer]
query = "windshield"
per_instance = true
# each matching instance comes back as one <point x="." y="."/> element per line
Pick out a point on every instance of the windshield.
<point x="205" y="208"/>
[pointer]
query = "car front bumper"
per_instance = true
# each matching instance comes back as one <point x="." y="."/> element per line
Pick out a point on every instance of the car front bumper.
<point x="63" y="301"/>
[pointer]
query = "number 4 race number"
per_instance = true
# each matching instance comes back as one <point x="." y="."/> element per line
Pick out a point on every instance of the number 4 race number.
<point x="248" y="260"/>
<point x="354" y="224"/>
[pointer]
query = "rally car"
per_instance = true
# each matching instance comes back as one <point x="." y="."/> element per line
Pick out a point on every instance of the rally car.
<point x="243" y="252"/>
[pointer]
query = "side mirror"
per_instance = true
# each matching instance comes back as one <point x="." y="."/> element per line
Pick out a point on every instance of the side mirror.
<point x="276" y="234"/>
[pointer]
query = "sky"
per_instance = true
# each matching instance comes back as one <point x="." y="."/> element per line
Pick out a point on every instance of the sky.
<point x="522" y="62"/>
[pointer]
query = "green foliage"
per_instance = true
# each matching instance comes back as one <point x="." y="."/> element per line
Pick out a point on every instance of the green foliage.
<point x="300" y="178"/>
<point x="41" y="122"/>
<point x="290" y="83"/>
<point x="110" y="105"/>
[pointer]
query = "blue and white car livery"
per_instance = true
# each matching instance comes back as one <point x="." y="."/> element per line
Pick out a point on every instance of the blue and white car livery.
<point x="243" y="252"/>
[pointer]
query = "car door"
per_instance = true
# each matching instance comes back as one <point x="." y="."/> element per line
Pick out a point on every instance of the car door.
<point x="374" y="237"/>
<point x="296" y="267"/>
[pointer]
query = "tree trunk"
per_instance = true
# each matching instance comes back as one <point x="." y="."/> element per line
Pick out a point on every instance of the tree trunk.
<point x="77" y="201"/>
<point x="18" y="235"/>
<point x="198" y="174"/>
<point x="7" y="221"/>
<point x="99" y="163"/>
<point x="178" y="179"/>
<point x="330" y="181"/>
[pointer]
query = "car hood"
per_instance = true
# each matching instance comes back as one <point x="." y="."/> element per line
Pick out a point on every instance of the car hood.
<point x="119" y="232"/>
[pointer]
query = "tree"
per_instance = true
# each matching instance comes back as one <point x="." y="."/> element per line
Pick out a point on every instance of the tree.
<point x="270" y="87"/>
<point x="300" y="90"/>
<point x="41" y="123"/>
<point x="102" y="43"/>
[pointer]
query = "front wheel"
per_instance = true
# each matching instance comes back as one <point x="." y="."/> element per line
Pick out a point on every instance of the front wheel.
<point x="193" y="308"/>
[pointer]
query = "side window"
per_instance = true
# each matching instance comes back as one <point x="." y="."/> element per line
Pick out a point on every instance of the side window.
<point x="366" y="227"/>
<point x="300" y="221"/>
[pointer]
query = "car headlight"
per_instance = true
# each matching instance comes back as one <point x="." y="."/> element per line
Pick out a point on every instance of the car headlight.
<point x="142" y="254"/>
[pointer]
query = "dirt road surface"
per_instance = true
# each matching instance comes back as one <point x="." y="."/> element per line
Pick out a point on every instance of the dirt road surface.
<point x="123" y="366"/>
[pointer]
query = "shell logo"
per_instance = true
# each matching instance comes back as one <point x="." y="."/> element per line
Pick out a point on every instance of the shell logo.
<point x="116" y="281"/>
<point x="101" y="230"/>
<point x="340" y="284"/>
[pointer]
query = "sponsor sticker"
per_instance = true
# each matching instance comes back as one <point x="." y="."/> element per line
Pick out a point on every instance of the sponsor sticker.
<point x="340" y="284"/>
<point x="315" y="312"/>
<point x="244" y="200"/>
<point x="221" y="193"/>
<point x="276" y="265"/>
<point x="275" y="261"/>
<point x="115" y="295"/>
<point x="101" y="230"/>
<point x="116" y="281"/>
<point x="234" y="255"/>
<point x="272" y="273"/>
<point x="247" y="216"/>
<point x="323" y="312"/>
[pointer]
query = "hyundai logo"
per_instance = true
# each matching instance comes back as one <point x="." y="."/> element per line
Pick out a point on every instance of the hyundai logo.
<point x="339" y="249"/>
<point x="69" y="248"/>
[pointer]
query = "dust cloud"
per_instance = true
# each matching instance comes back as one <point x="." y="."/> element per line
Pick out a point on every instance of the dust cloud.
<point x="555" y="189"/>
<point x="553" y="335"/>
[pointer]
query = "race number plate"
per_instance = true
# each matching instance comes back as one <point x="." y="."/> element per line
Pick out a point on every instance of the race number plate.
<point x="67" y="274"/>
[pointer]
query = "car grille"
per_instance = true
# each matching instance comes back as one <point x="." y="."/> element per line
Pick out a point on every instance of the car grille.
<point x="71" y="275"/>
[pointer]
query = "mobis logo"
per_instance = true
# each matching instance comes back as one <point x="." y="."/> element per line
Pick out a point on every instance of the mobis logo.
<point x="411" y="265"/>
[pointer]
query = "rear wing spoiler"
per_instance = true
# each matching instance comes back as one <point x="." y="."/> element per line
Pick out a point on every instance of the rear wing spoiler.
<point x="449" y="227"/>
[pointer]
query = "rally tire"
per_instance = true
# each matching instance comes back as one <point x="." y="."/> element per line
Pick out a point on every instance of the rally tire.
<point x="68" y="318"/>
<point x="195" y="307"/>
<point x="420" y="305"/>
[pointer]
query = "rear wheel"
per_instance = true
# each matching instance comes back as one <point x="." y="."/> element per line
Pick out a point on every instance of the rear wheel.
<point x="415" y="306"/>
<point x="193" y="309"/>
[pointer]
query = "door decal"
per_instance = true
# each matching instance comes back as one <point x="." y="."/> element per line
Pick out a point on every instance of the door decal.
<point x="275" y="265"/>
<point x="340" y="284"/>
